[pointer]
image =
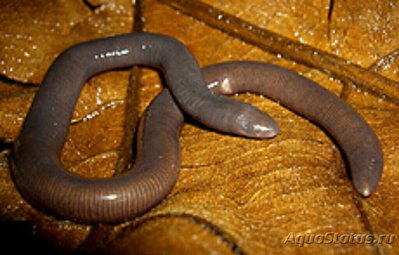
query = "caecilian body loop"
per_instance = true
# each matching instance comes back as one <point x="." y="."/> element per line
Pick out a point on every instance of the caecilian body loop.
<point x="42" y="179"/>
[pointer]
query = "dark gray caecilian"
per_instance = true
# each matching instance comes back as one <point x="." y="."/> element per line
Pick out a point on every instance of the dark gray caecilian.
<point x="42" y="179"/>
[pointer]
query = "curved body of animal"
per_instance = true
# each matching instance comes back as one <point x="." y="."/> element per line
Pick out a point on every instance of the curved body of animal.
<point x="42" y="179"/>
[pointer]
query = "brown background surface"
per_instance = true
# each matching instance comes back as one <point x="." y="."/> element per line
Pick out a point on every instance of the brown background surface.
<point x="234" y="195"/>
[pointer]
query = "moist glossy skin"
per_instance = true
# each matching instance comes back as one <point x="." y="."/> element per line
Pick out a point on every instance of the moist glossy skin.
<point x="354" y="136"/>
<point x="38" y="172"/>
<point x="41" y="178"/>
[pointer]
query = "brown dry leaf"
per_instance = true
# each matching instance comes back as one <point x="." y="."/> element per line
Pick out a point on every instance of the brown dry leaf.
<point x="234" y="195"/>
